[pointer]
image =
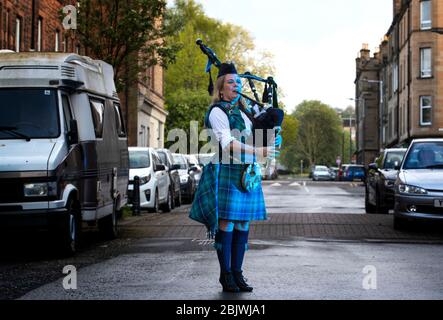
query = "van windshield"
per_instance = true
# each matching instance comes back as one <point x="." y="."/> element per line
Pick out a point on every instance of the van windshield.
<point x="139" y="159"/>
<point x="28" y="113"/>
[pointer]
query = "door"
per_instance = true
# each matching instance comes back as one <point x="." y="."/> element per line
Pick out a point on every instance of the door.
<point x="162" y="178"/>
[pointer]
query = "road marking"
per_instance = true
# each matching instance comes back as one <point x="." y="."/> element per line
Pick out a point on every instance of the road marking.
<point x="295" y="184"/>
<point x="276" y="185"/>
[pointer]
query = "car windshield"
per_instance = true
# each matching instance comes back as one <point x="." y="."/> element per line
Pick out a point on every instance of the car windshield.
<point x="29" y="113"/>
<point x="425" y="155"/>
<point x="321" y="169"/>
<point x="139" y="159"/>
<point x="393" y="158"/>
<point x="178" y="159"/>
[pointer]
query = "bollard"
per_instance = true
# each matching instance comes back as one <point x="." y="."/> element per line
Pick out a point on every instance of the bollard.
<point x="136" y="197"/>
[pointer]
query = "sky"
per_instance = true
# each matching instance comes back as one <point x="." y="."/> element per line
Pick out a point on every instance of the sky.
<point x="314" y="42"/>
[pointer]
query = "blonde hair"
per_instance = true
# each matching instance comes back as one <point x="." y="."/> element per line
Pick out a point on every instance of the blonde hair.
<point x="218" y="88"/>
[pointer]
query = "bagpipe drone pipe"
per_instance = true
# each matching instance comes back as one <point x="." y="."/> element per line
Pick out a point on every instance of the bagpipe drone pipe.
<point x="266" y="115"/>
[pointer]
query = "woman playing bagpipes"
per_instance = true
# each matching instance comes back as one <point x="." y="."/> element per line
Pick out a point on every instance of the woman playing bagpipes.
<point x="230" y="194"/>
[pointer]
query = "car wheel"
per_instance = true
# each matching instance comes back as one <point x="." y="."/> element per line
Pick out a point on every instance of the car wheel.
<point x="178" y="202"/>
<point x="369" y="208"/>
<point x="379" y="205"/>
<point x="108" y="225"/>
<point x="156" y="204"/>
<point x="167" y="206"/>
<point x="173" y="199"/>
<point x="400" y="223"/>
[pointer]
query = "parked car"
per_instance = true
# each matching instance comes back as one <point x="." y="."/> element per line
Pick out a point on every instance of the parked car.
<point x="419" y="185"/>
<point x="352" y="172"/>
<point x="379" y="191"/>
<point x="321" y="173"/>
<point x="187" y="180"/>
<point x="63" y="155"/>
<point x="195" y="166"/>
<point x="334" y="172"/>
<point x="154" y="180"/>
<point x="174" y="176"/>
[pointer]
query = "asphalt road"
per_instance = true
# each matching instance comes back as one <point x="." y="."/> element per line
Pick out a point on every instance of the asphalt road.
<point x="315" y="245"/>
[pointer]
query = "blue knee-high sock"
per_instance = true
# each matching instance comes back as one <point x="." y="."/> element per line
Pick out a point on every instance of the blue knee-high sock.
<point x="223" y="243"/>
<point x="239" y="246"/>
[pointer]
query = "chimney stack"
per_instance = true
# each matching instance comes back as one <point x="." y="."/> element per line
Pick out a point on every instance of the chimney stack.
<point x="365" y="52"/>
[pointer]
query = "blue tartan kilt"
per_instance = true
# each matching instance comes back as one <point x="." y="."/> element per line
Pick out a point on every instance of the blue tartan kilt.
<point x="235" y="204"/>
<point x="219" y="196"/>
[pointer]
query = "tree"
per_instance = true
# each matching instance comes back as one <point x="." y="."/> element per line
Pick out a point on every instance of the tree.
<point x="319" y="134"/>
<point x="186" y="83"/>
<point x="127" y="33"/>
<point x="288" y="156"/>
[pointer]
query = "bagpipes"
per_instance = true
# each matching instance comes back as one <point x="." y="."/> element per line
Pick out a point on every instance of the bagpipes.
<point x="266" y="114"/>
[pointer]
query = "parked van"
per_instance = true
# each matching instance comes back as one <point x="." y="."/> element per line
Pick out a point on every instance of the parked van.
<point x="63" y="145"/>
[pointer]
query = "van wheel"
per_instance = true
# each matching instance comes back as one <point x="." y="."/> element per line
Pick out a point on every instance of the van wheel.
<point x="69" y="232"/>
<point x="167" y="206"/>
<point x="108" y="225"/>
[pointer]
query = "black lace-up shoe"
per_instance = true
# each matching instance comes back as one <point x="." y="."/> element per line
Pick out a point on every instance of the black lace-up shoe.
<point x="228" y="282"/>
<point x="241" y="282"/>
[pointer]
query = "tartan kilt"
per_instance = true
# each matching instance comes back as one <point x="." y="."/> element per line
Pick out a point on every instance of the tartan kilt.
<point x="219" y="196"/>
<point x="235" y="204"/>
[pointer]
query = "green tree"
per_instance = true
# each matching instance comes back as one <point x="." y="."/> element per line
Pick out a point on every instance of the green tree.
<point x="288" y="156"/>
<point x="319" y="134"/>
<point x="130" y="35"/>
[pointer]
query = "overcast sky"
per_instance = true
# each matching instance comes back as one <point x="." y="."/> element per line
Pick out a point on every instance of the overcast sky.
<point x="314" y="42"/>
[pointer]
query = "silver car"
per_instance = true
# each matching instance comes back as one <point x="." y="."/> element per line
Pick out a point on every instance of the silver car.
<point x="321" y="173"/>
<point x="419" y="185"/>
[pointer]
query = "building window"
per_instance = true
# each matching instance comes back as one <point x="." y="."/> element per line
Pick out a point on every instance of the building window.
<point x="17" y="34"/>
<point x="425" y="15"/>
<point x="77" y="49"/>
<point x="425" y="62"/>
<point x="57" y="40"/>
<point x="425" y="111"/>
<point x="395" y="78"/>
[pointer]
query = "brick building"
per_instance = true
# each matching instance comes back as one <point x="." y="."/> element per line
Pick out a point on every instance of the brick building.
<point x="35" y="25"/>
<point x="410" y="71"/>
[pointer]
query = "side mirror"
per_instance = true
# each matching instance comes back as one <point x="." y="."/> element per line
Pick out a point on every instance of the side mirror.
<point x="160" y="167"/>
<point x="191" y="169"/>
<point x="73" y="133"/>
<point x="372" y="166"/>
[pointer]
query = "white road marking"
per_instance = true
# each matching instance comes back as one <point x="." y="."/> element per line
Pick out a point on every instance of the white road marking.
<point x="295" y="184"/>
<point x="276" y="185"/>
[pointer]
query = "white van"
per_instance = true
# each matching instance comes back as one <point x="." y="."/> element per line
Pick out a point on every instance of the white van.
<point x="155" y="192"/>
<point x="63" y="146"/>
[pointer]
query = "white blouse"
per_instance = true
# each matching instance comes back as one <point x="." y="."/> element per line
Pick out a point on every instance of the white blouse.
<point x="220" y="126"/>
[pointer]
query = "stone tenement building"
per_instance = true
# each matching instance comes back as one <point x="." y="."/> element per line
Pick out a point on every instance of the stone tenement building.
<point x="35" y="25"/>
<point x="408" y="72"/>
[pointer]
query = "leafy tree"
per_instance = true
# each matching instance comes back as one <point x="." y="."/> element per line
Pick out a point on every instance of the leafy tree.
<point x="288" y="156"/>
<point x="130" y="35"/>
<point x="319" y="133"/>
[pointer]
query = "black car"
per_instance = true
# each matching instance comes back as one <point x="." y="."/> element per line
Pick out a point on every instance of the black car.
<point x="174" y="175"/>
<point x="379" y="195"/>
